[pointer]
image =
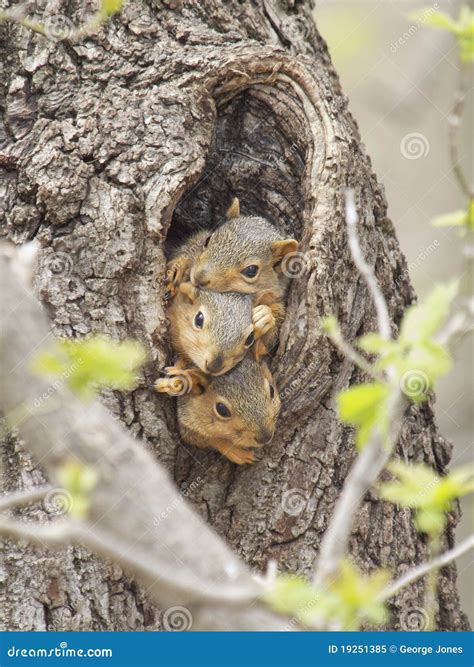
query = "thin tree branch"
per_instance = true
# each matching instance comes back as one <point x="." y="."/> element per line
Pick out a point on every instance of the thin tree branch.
<point x="377" y="451"/>
<point x="364" y="472"/>
<point x="350" y="353"/>
<point x="454" y="126"/>
<point x="352" y="218"/>
<point x="23" y="497"/>
<point x="435" y="564"/>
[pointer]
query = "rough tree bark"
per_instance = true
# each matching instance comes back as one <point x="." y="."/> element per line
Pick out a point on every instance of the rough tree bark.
<point x="116" y="146"/>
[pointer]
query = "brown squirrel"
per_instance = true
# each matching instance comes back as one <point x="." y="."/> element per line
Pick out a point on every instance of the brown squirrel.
<point x="232" y="413"/>
<point x="242" y="255"/>
<point x="211" y="330"/>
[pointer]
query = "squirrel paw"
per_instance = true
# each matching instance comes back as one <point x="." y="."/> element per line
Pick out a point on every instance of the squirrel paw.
<point x="178" y="382"/>
<point x="176" y="271"/>
<point x="263" y="320"/>
<point x="239" y="455"/>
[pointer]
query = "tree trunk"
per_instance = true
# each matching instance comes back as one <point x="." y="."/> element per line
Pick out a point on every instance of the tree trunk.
<point x="118" y="145"/>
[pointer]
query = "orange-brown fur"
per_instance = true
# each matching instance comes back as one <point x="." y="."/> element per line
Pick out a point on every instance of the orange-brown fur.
<point x="247" y="392"/>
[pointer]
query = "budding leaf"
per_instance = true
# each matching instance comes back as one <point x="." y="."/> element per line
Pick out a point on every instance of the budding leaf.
<point x="349" y="599"/>
<point x="418" y="486"/>
<point x="109" y="7"/>
<point x="79" y="480"/>
<point x="433" y="19"/>
<point x="330" y="325"/>
<point x="423" y="320"/>
<point x="87" y="365"/>
<point x="290" y="594"/>
<point x="455" y="219"/>
<point x="463" y="28"/>
<point x="365" y="407"/>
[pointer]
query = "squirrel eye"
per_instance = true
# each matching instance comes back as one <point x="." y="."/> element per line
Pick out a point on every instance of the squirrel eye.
<point x="250" y="271"/>
<point x="222" y="410"/>
<point x="206" y="242"/>
<point x="199" y="320"/>
<point x="272" y="392"/>
<point x="250" y="340"/>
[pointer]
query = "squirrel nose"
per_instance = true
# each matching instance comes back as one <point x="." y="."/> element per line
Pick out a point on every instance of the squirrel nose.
<point x="215" y="365"/>
<point x="264" y="436"/>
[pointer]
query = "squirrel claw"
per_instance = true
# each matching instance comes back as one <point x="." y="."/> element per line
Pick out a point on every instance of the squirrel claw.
<point x="263" y="320"/>
<point x="175" y="274"/>
<point x="240" y="455"/>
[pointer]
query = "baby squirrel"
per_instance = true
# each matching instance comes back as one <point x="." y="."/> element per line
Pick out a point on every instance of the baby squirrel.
<point x="242" y="255"/>
<point x="232" y="413"/>
<point x="214" y="331"/>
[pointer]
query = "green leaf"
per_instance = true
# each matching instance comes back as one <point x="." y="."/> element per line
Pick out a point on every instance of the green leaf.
<point x="421" y="488"/>
<point x="463" y="28"/>
<point x="79" y="480"/>
<point x="421" y="366"/>
<point x="430" y="521"/>
<point x="455" y="219"/>
<point x="470" y="215"/>
<point x="350" y="599"/>
<point x="330" y="325"/>
<point x="86" y="366"/>
<point x="290" y="594"/>
<point x="433" y="19"/>
<point x="364" y="406"/>
<point x="415" y="483"/>
<point x="109" y="7"/>
<point x="424" y="320"/>
<point x="374" y="344"/>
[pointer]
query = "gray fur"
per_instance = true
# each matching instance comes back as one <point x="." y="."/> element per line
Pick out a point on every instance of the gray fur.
<point x="242" y="238"/>
<point x="231" y="314"/>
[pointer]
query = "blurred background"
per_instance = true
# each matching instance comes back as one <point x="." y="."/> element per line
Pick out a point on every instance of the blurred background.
<point x="400" y="77"/>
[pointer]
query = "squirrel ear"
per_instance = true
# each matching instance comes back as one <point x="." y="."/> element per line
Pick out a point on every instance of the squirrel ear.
<point x="283" y="247"/>
<point x="189" y="292"/>
<point x="199" y="381"/>
<point x="234" y="209"/>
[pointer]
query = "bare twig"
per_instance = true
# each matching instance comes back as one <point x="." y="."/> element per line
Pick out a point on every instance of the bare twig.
<point x="364" y="472"/>
<point x="352" y="218"/>
<point x="435" y="564"/>
<point x="23" y="497"/>
<point x="454" y="125"/>
<point x="350" y="353"/>
<point x="373" y="458"/>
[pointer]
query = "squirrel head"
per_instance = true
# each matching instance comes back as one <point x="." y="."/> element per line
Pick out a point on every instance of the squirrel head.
<point x="214" y="330"/>
<point x="243" y="255"/>
<point x="240" y="407"/>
